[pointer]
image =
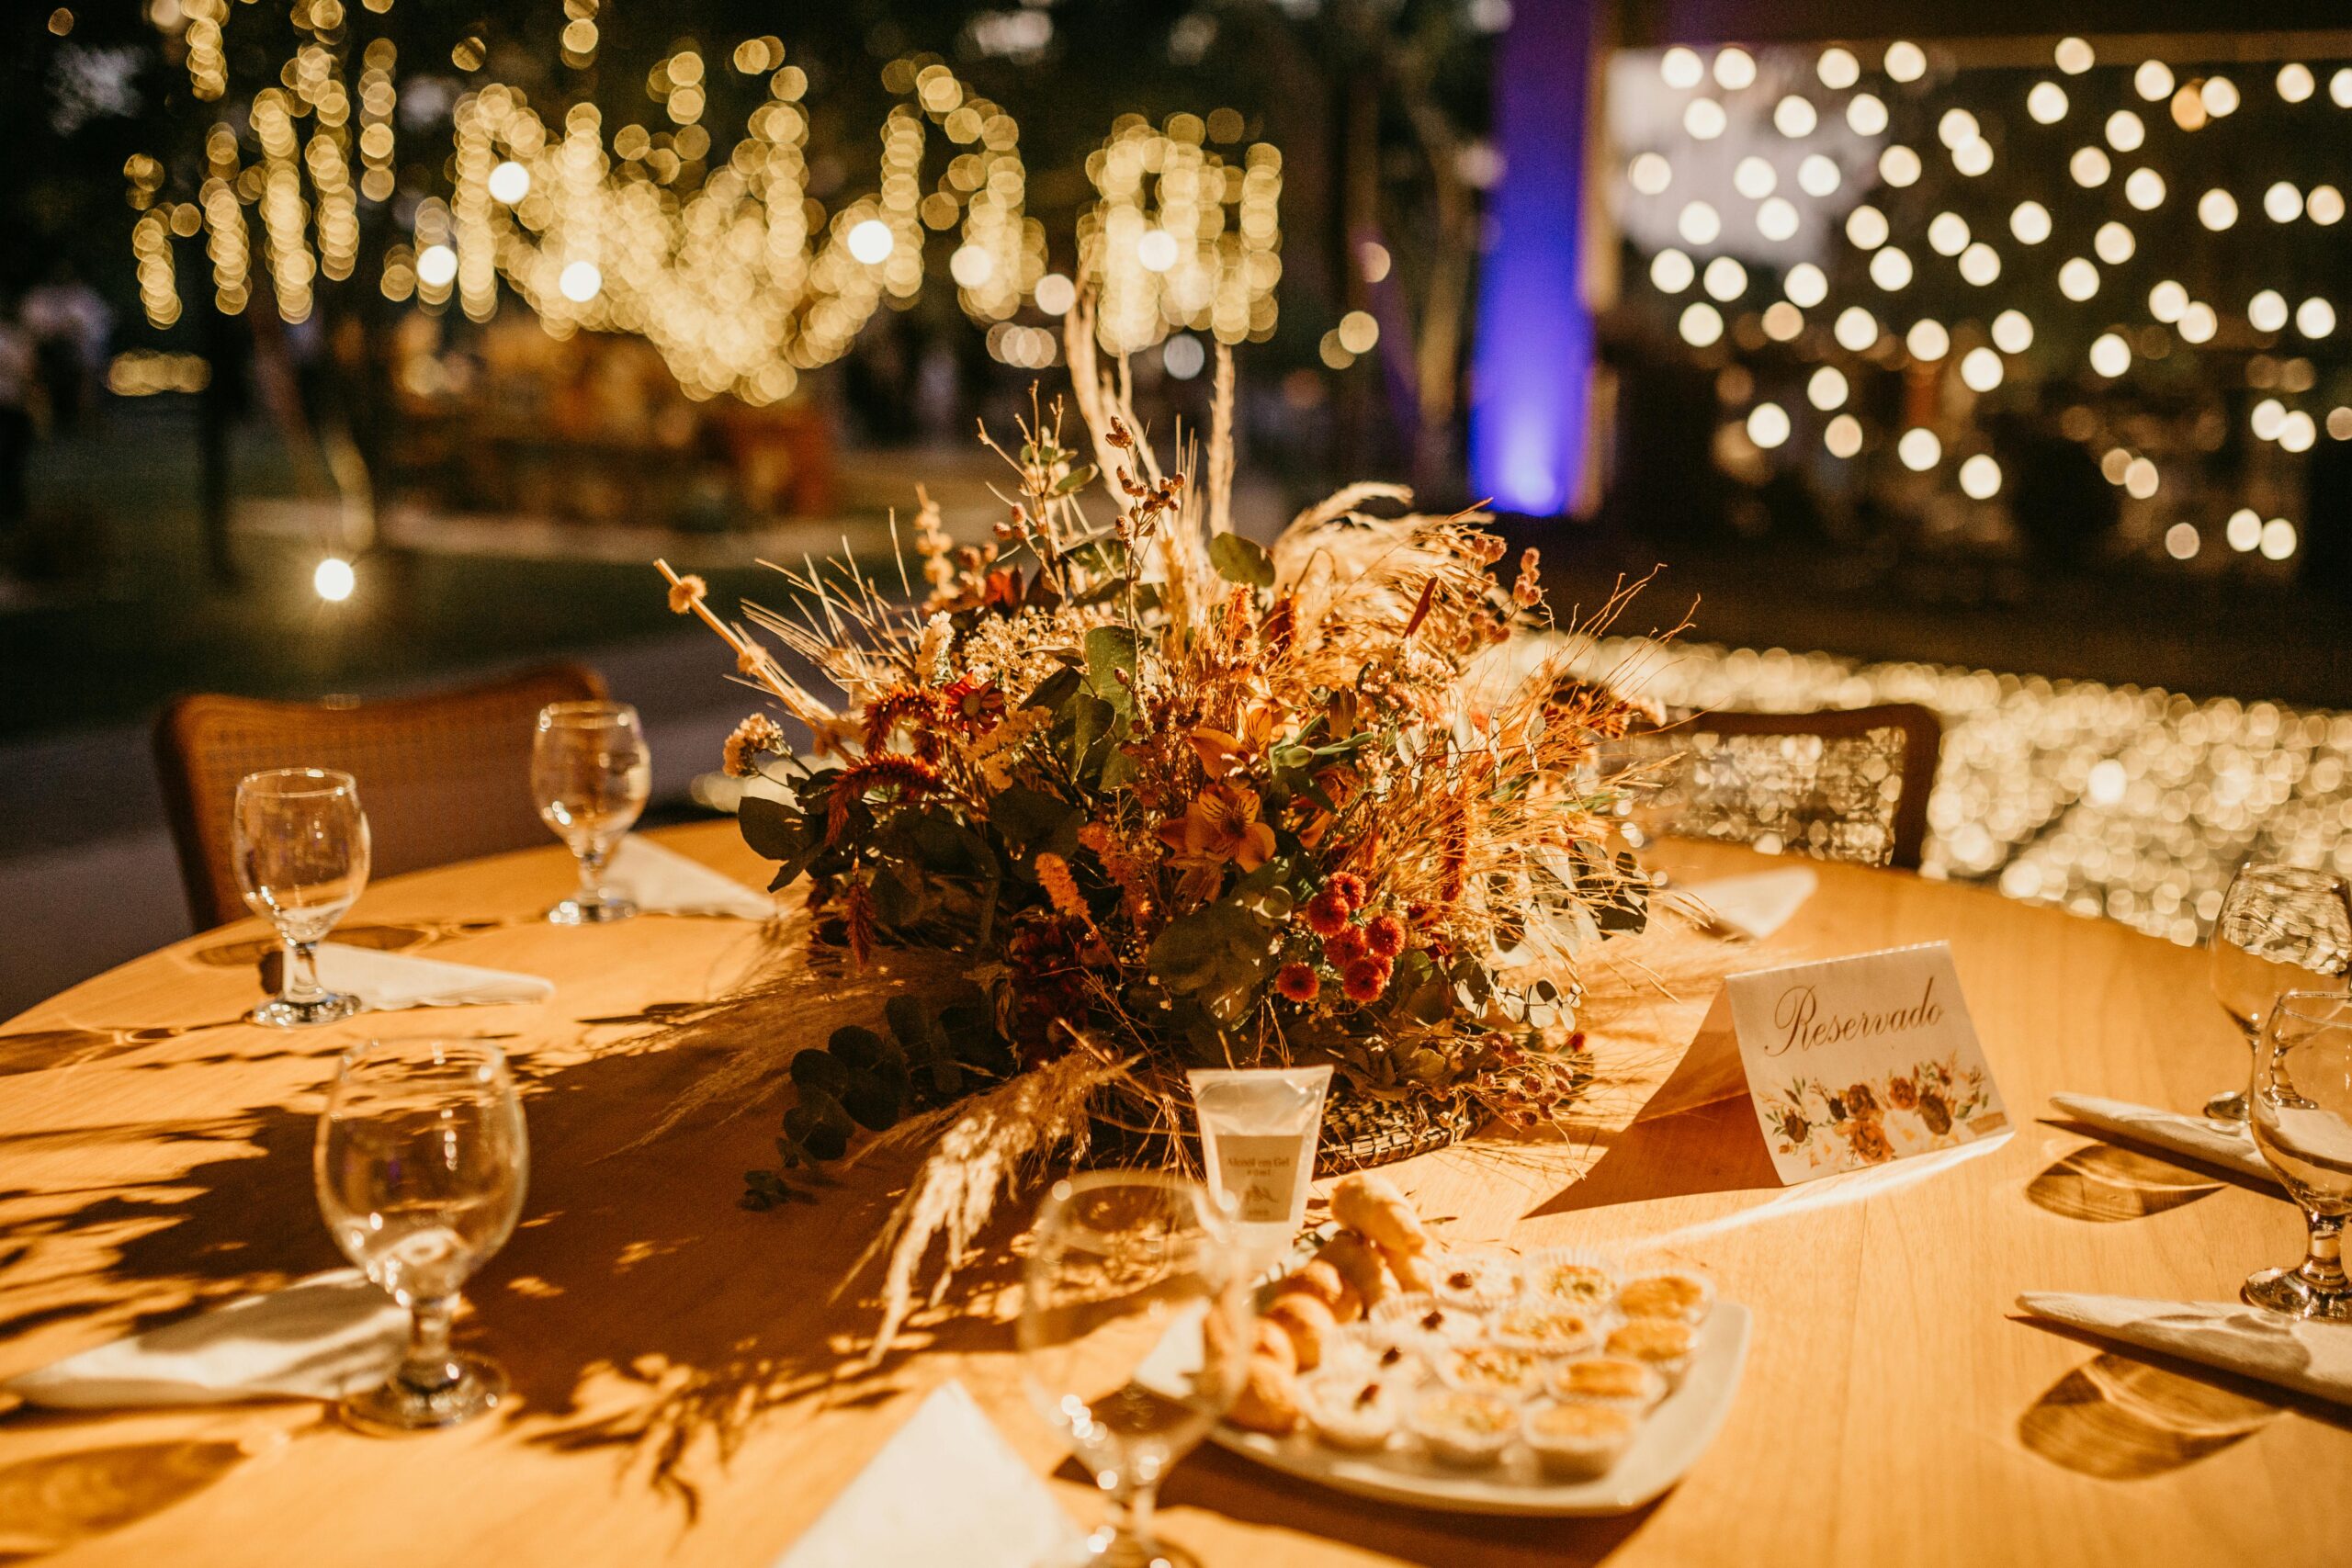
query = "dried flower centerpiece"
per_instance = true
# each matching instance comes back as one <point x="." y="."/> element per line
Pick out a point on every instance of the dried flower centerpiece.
<point x="1177" y="800"/>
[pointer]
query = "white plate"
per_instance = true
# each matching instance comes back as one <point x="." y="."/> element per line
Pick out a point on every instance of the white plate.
<point x="1669" y="1443"/>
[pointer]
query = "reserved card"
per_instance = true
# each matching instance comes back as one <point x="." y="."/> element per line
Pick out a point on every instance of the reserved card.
<point x="1849" y="1062"/>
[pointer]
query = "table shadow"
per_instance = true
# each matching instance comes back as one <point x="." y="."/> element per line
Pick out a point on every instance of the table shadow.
<point x="2119" y="1418"/>
<point x="1710" y="1148"/>
<point x="2104" y="1183"/>
<point x="61" y="1500"/>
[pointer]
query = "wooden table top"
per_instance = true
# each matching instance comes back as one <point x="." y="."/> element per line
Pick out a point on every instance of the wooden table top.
<point x="683" y="1391"/>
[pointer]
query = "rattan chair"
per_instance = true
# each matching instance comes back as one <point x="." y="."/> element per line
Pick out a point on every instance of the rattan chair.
<point x="443" y="777"/>
<point x="1840" y="783"/>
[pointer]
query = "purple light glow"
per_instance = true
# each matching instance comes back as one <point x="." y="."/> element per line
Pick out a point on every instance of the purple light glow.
<point x="1532" y="361"/>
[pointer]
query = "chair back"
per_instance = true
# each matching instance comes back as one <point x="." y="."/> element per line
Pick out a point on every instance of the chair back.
<point x="443" y="777"/>
<point x="1839" y="783"/>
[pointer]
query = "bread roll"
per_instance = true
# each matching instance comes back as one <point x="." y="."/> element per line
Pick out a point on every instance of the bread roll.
<point x="1273" y="1343"/>
<point x="1269" y="1398"/>
<point x="1358" y="1262"/>
<point x="1411" y="1268"/>
<point x="1308" y="1323"/>
<point x="1372" y="1207"/>
<point x="1328" y="1285"/>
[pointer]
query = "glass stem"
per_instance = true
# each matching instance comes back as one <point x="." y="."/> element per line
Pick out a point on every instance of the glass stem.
<point x="426" y="1368"/>
<point x="592" y="875"/>
<point x="2323" y="1266"/>
<point x="1131" y="1507"/>
<point x="301" y="979"/>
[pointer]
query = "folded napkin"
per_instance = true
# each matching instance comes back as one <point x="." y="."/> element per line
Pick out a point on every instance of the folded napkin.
<point x="2310" y="1358"/>
<point x="321" y="1337"/>
<point x="663" y="881"/>
<point x="387" y="982"/>
<point x="2218" y="1144"/>
<point x="945" y="1488"/>
<point x="1753" y="905"/>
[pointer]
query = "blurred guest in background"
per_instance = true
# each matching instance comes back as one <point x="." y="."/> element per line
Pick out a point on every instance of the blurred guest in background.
<point x="16" y="431"/>
<point x="70" y="325"/>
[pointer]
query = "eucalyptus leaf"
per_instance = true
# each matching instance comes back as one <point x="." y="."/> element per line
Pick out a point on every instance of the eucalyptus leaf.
<point x="1237" y="559"/>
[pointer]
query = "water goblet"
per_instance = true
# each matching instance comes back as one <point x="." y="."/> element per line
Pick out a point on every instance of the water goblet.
<point x="2281" y="929"/>
<point x="421" y="1161"/>
<point x="2302" y="1120"/>
<point x="1130" y="1270"/>
<point x="590" y="775"/>
<point x="300" y="845"/>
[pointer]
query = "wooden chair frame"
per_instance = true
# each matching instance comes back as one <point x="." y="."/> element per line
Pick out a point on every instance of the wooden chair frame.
<point x="1922" y="749"/>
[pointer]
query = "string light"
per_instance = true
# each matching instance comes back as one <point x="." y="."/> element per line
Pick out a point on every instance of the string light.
<point x="1724" y="279"/>
<point x="2168" y="299"/>
<point x="2012" y="332"/>
<point x="1947" y="233"/>
<point x="332" y="580"/>
<point x="1670" y="270"/>
<point x="2125" y="131"/>
<point x="2074" y="56"/>
<point x="1753" y="178"/>
<point x="2325" y="205"/>
<point x="1826" y="388"/>
<point x="1972" y="158"/>
<point x="1980" y="265"/>
<point x="2089" y="167"/>
<point x="2217" y="210"/>
<point x="2278" y="540"/>
<point x="1889" y="268"/>
<point x="1926" y="340"/>
<point x="2243" y="530"/>
<point x="2046" y="103"/>
<point x="2295" y="81"/>
<point x="2110" y="356"/>
<point x="2266" y="418"/>
<point x="1807" y="284"/>
<point x="1906" y="62"/>
<point x="2182" y="541"/>
<point x="2113" y="244"/>
<point x="1701" y="324"/>
<point x="2198" y="323"/>
<point x="1767" y="426"/>
<point x="1776" y="219"/>
<point x="1735" y="69"/>
<point x="2077" y="279"/>
<point x="2282" y="203"/>
<point x="1818" y="175"/>
<point x="1980" y="478"/>
<point x="1855" y="329"/>
<point x="2315" y="318"/>
<point x="1843" y="435"/>
<point x="1650" y="174"/>
<point x="1705" y="119"/>
<point x="1980" y="369"/>
<point x="2140" y="479"/>
<point x="1783" y="323"/>
<point x="2267" y="311"/>
<point x="1867" y="227"/>
<point x="2153" y="81"/>
<point x="2220" y="94"/>
<point x="1681" y="68"/>
<point x="2144" y="189"/>
<point x="1699" y="224"/>
<point x="1899" y="166"/>
<point x="1795" y="117"/>
<point x="2297" y="432"/>
<point x="1865" y="114"/>
<point x="2030" y="221"/>
<point x="1918" y="449"/>
<point x="1838" y="68"/>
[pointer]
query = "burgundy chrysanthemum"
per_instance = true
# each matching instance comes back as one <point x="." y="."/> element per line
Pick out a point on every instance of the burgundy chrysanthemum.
<point x="1349" y="888"/>
<point x="1327" y="913"/>
<point x="1298" y="982"/>
<point x="1364" y="979"/>
<point x="1345" y="947"/>
<point x="1383" y="936"/>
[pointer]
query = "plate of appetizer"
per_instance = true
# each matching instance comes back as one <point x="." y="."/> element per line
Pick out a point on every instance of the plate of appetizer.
<point x="1565" y="1383"/>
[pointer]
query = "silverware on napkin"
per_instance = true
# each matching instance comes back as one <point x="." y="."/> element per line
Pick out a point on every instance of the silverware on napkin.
<point x="2308" y="1358"/>
<point x="2227" y="1146"/>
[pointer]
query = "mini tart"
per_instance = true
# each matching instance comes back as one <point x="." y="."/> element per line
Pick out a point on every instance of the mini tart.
<point x="1474" y="1279"/>
<point x="1422" y="1322"/>
<point x="1358" y="1412"/>
<point x="1545" y="1330"/>
<point x="1618" y="1381"/>
<point x="1400" y="1363"/>
<point x="1662" y="1343"/>
<point x="1561" y="1279"/>
<point x="1685" y="1297"/>
<point x="1577" y="1442"/>
<point x="1491" y="1369"/>
<point x="1465" y="1429"/>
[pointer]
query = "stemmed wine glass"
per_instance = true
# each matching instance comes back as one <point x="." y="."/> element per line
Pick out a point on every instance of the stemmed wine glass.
<point x="2282" y="928"/>
<point x="421" y="1162"/>
<point x="590" y="775"/>
<point x="1130" y="1270"/>
<point x="2302" y="1124"/>
<point x="300" y="845"/>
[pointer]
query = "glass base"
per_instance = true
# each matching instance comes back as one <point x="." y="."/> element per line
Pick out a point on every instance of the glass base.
<point x="2286" y="1290"/>
<point x="280" y="1013"/>
<point x="582" y="912"/>
<point x="399" y="1407"/>
<point x="1106" y="1548"/>
<point x="2227" y="1107"/>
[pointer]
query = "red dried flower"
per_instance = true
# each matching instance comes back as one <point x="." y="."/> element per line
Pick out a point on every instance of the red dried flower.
<point x="1385" y="936"/>
<point x="1349" y="888"/>
<point x="1298" y="982"/>
<point x="1327" y="913"/>
<point x="910" y="775"/>
<point x="1364" y="979"/>
<point x="1345" y="947"/>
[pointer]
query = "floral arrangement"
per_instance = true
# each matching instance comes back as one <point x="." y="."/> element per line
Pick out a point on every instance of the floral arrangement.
<point x="1924" y="1102"/>
<point x="1172" y="799"/>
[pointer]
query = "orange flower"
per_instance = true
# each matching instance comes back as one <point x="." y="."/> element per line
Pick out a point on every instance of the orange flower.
<point x="1220" y="824"/>
<point x="1224" y="753"/>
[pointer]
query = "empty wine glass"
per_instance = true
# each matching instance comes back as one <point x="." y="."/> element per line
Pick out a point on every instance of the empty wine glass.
<point x="2282" y="928"/>
<point x="1135" y="1322"/>
<point x="590" y="775"/>
<point x="2302" y="1124"/>
<point x="300" y="845"/>
<point x="421" y="1162"/>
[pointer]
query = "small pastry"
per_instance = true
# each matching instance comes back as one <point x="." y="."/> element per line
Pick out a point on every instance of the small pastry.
<point x="1686" y="1297"/>
<point x="1411" y="1268"/>
<point x="1359" y="1263"/>
<point x="1269" y="1398"/>
<point x="1358" y="1414"/>
<point x="1398" y="1363"/>
<point x="1577" y="1442"/>
<point x="1425" y="1323"/>
<point x="1491" y="1369"/>
<point x="1628" y="1385"/>
<point x="1465" y="1429"/>
<point x="1307" y="1322"/>
<point x="1545" y="1330"/>
<point x="1372" y="1207"/>
<point x="1326" y="1283"/>
<point x="1273" y="1342"/>
<point x="1661" y="1343"/>
<point x="1569" y="1281"/>
<point x="1474" y="1279"/>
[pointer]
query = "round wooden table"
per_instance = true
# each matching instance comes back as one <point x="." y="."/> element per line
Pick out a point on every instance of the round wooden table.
<point x="686" y="1389"/>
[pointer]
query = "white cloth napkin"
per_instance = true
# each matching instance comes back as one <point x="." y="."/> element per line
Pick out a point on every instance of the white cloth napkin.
<point x="2310" y="1358"/>
<point x="662" y="882"/>
<point x="387" y="982"/>
<point x="945" y="1488"/>
<point x="2215" y="1144"/>
<point x="321" y="1337"/>
<point x="1753" y="905"/>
